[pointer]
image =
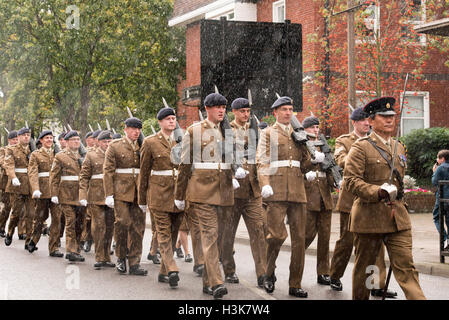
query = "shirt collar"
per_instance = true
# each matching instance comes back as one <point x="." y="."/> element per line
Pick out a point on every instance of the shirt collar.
<point x="132" y="143"/>
<point x="285" y="127"/>
<point x="385" y="142"/>
<point x="244" y="127"/>
<point x="168" y="138"/>
<point x="213" y="125"/>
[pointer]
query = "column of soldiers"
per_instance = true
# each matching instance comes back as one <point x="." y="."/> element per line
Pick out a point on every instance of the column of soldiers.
<point x="213" y="183"/>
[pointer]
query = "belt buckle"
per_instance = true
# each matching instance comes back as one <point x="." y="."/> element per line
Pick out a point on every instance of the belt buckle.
<point x="219" y="167"/>
<point x="290" y="163"/>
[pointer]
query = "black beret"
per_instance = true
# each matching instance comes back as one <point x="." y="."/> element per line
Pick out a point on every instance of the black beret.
<point x="71" y="134"/>
<point x="165" y="112"/>
<point x="95" y="134"/>
<point x="105" y="135"/>
<point x="133" y="122"/>
<point x="282" y="101"/>
<point x="88" y="134"/>
<point x="358" y="114"/>
<point x="116" y="136"/>
<point x="263" y="125"/>
<point x="45" y="133"/>
<point x="215" y="99"/>
<point x="12" y="134"/>
<point x="310" y="121"/>
<point x="23" y="131"/>
<point x="240" y="103"/>
<point x="62" y="135"/>
<point x="382" y="106"/>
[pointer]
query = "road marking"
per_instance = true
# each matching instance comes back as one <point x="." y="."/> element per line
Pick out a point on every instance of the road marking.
<point x="257" y="290"/>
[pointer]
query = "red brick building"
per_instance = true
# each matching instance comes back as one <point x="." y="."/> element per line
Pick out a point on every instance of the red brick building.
<point x="426" y="96"/>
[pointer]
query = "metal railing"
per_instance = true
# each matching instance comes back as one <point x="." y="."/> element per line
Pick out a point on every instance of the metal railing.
<point x="442" y="212"/>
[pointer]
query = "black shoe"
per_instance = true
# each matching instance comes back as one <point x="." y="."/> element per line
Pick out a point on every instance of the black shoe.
<point x="323" y="279"/>
<point x="232" y="278"/>
<point x="219" y="291"/>
<point x="56" y="254"/>
<point x="208" y="290"/>
<point x="173" y="279"/>
<point x="188" y="258"/>
<point x="45" y="231"/>
<point x="260" y="281"/>
<point x="98" y="265"/>
<point x="154" y="258"/>
<point x="74" y="256"/>
<point x="297" y="292"/>
<point x="108" y="264"/>
<point x="268" y="283"/>
<point x="31" y="246"/>
<point x="87" y="246"/>
<point x="121" y="265"/>
<point x="22" y="236"/>
<point x="8" y="240"/>
<point x="2" y="233"/>
<point x="336" y="285"/>
<point x="380" y="293"/>
<point x="158" y="253"/>
<point x="179" y="253"/>
<point x="199" y="269"/>
<point x="137" y="270"/>
<point x="162" y="278"/>
<point x="81" y="246"/>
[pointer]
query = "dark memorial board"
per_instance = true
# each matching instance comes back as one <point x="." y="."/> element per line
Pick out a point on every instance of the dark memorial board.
<point x="261" y="56"/>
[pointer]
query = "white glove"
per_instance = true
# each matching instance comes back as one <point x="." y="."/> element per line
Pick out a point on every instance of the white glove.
<point x="180" y="204"/>
<point x="391" y="189"/>
<point x="267" y="191"/>
<point x="241" y="173"/>
<point x="143" y="208"/>
<point x="55" y="200"/>
<point x="83" y="202"/>
<point x="340" y="183"/>
<point x="15" y="182"/>
<point x="109" y="201"/>
<point x="235" y="184"/>
<point x="319" y="157"/>
<point x="36" y="194"/>
<point x="311" y="175"/>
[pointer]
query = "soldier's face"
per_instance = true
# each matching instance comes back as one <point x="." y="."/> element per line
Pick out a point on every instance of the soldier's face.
<point x="132" y="133"/>
<point x="383" y="124"/>
<point x="13" y="141"/>
<point x="315" y="129"/>
<point x="74" y="143"/>
<point x="103" y="144"/>
<point x="215" y="114"/>
<point x="168" y="123"/>
<point x="62" y="143"/>
<point x="90" y="142"/>
<point x="283" y="114"/>
<point x="361" y="126"/>
<point x="242" y="115"/>
<point x="24" y="138"/>
<point x="47" y="141"/>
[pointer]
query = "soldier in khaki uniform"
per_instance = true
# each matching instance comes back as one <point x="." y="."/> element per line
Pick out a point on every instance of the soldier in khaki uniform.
<point x="121" y="169"/>
<point x="6" y="196"/>
<point x="158" y="171"/>
<point x="379" y="214"/>
<point x="64" y="186"/>
<point x="16" y="164"/>
<point x="63" y="146"/>
<point x="91" y="194"/>
<point x="247" y="200"/>
<point x="205" y="181"/>
<point x="318" y="186"/>
<point x="281" y="164"/>
<point x="39" y="174"/>
<point x="195" y="236"/>
<point x="344" y="245"/>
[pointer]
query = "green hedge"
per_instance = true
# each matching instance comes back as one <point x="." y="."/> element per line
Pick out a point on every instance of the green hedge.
<point x="422" y="149"/>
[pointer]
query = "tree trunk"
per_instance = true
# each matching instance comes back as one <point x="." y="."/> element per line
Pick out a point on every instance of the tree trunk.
<point x="85" y="103"/>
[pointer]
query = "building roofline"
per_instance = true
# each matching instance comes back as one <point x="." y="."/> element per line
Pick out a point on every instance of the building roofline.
<point x="197" y="14"/>
<point x="437" y="27"/>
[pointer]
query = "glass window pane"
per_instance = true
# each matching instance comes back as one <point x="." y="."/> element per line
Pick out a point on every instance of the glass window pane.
<point x="281" y="13"/>
<point x="410" y="124"/>
<point x="413" y="107"/>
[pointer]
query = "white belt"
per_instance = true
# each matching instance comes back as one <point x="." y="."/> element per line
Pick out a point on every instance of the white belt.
<point x="69" y="178"/>
<point x="285" y="163"/>
<point x="164" y="172"/>
<point x="212" y="165"/>
<point x="43" y="174"/>
<point x="97" y="176"/>
<point x="319" y="174"/>
<point x="21" y="170"/>
<point x="128" y="170"/>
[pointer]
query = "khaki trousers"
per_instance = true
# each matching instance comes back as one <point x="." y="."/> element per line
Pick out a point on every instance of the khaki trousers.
<point x="319" y="222"/>
<point x="277" y="233"/>
<point x="42" y="209"/>
<point x="6" y="210"/>
<point x="21" y="212"/>
<point x="154" y="244"/>
<point x="195" y="235"/>
<point x="74" y="216"/>
<point x="86" y="235"/>
<point x="399" y="247"/>
<point x="102" y="223"/>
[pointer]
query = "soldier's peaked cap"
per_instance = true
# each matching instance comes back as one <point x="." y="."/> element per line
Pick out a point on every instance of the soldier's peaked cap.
<point x="165" y="112"/>
<point x="105" y="135"/>
<point x="44" y="133"/>
<point x="133" y="122"/>
<point x="215" y="99"/>
<point x="71" y="134"/>
<point x="23" y="131"/>
<point x="382" y="106"/>
<point x="12" y="134"/>
<point x="282" y="101"/>
<point x="95" y="134"/>
<point x="358" y="114"/>
<point x="240" y="103"/>
<point x="310" y="121"/>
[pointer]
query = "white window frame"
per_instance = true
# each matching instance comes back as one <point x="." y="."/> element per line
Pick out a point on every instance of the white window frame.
<point x="276" y="5"/>
<point x="426" y="113"/>
<point x="414" y="23"/>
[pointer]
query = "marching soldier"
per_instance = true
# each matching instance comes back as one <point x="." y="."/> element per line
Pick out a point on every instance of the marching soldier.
<point x="91" y="194"/>
<point x="6" y="196"/>
<point x="281" y="164"/>
<point x="39" y="174"/>
<point x="344" y="245"/>
<point x="206" y="182"/>
<point x="158" y="171"/>
<point x="63" y="145"/>
<point x="64" y="186"/>
<point x="378" y="213"/>
<point x="318" y="186"/>
<point x="121" y="169"/>
<point x="16" y="164"/>
<point x="90" y="143"/>
<point x="247" y="201"/>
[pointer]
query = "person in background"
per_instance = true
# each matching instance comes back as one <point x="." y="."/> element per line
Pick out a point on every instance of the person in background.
<point x="441" y="172"/>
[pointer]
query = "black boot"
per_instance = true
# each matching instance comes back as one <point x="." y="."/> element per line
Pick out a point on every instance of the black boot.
<point x="31" y="246"/>
<point x="154" y="258"/>
<point x="162" y="278"/>
<point x="199" y="269"/>
<point x="297" y="292"/>
<point x="121" y="265"/>
<point x="87" y="245"/>
<point x="137" y="270"/>
<point x="232" y="278"/>
<point x="336" y="285"/>
<point x="173" y="279"/>
<point x="8" y="240"/>
<point x="219" y="291"/>
<point x="2" y="233"/>
<point x="323" y="279"/>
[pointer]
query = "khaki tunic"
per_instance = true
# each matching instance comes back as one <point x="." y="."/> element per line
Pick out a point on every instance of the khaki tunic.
<point x="3" y="175"/>
<point x="92" y="190"/>
<point x="16" y="158"/>
<point x="65" y="163"/>
<point x="40" y="161"/>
